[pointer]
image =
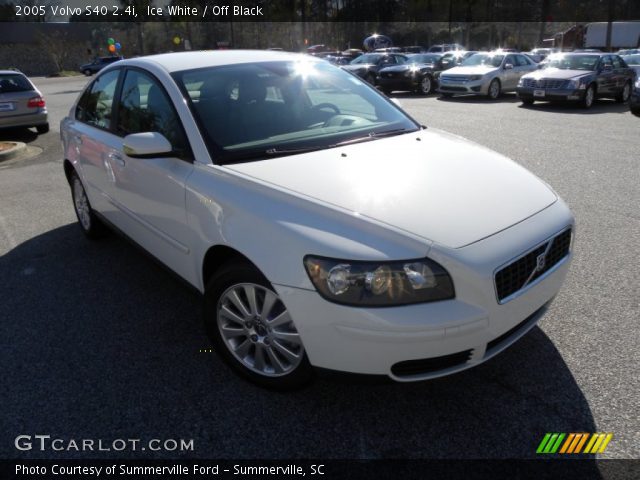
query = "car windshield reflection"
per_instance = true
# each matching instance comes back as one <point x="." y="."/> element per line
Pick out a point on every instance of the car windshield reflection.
<point x="245" y="110"/>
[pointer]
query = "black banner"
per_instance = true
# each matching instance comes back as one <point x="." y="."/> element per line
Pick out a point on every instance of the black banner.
<point x="583" y="469"/>
<point x="379" y="11"/>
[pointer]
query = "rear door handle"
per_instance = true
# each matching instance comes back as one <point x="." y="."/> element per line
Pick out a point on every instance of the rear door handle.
<point x="116" y="158"/>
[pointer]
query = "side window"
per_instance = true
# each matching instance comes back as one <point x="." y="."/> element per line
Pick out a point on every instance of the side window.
<point x="401" y="59"/>
<point x="522" y="60"/>
<point x="607" y="61"/>
<point x="96" y="103"/>
<point x="510" y="59"/>
<point x="616" y="62"/>
<point x="145" y="107"/>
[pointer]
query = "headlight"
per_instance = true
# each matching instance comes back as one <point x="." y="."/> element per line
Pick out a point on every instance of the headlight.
<point x="638" y="83"/>
<point x="521" y="82"/>
<point x="473" y="78"/>
<point x="379" y="284"/>
<point x="577" y="84"/>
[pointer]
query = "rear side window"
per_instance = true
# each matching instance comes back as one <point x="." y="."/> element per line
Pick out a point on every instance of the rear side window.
<point x="14" y="83"/>
<point x="95" y="106"/>
<point x="145" y="107"/>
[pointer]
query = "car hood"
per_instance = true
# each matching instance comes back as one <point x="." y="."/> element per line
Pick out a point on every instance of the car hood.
<point x="360" y="66"/>
<point x="474" y="70"/>
<point x="558" y="73"/>
<point x="442" y="188"/>
<point x="404" y="68"/>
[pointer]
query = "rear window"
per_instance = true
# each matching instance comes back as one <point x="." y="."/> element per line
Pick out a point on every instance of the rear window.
<point x="14" y="83"/>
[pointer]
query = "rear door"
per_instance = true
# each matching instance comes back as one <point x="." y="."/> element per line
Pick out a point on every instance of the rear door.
<point x="91" y="137"/>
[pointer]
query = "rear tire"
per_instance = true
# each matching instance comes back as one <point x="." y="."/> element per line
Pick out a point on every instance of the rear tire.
<point x="87" y="72"/>
<point x="42" y="128"/>
<point x="527" y="101"/>
<point x="90" y="224"/>
<point x="260" y="343"/>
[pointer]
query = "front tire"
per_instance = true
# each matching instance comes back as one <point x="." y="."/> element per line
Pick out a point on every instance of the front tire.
<point x="493" y="92"/>
<point x="527" y="101"/>
<point x="87" y="72"/>
<point x="426" y="85"/>
<point x="625" y="93"/>
<point x="90" y="224"/>
<point x="252" y="330"/>
<point x="588" y="97"/>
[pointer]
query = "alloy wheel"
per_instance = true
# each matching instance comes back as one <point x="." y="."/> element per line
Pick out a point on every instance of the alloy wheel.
<point x="258" y="330"/>
<point x="425" y="85"/>
<point x="81" y="204"/>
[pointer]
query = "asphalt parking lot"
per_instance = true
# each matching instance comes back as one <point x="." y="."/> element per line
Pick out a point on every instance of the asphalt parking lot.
<point x="97" y="341"/>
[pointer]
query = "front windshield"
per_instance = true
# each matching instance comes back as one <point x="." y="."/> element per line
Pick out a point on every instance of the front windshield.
<point x="486" y="59"/>
<point x="251" y="111"/>
<point x="573" y="62"/>
<point x="367" y="58"/>
<point x="632" y="59"/>
<point x="423" y="59"/>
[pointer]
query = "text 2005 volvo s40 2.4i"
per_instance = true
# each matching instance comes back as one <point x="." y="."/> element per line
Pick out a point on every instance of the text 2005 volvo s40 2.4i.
<point x="324" y="226"/>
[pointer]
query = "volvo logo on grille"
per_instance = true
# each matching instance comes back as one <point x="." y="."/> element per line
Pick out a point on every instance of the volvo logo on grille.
<point x="540" y="262"/>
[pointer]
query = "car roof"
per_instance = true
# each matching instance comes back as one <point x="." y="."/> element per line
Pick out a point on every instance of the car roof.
<point x="174" y="62"/>
<point x="11" y="72"/>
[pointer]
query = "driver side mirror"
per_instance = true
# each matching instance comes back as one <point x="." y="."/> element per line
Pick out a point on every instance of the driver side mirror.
<point x="147" y="145"/>
<point x="508" y="66"/>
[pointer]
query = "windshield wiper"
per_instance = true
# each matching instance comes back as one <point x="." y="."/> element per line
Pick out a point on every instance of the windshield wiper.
<point x="259" y="154"/>
<point x="292" y="151"/>
<point x="372" y="136"/>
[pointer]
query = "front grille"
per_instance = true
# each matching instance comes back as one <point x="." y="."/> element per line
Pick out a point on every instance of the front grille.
<point x="546" y="83"/>
<point x="526" y="269"/>
<point x="430" y="365"/>
<point x="453" y="88"/>
<point x="391" y="74"/>
<point x="454" y="78"/>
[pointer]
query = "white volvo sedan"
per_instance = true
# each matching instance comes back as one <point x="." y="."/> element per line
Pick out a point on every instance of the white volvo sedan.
<point x="325" y="228"/>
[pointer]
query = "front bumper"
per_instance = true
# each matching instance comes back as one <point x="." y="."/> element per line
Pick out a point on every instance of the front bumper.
<point x="25" y="120"/>
<point x="550" y="95"/>
<point x="472" y="86"/>
<point x="398" y="83"/>
<point x="417" y="342"/>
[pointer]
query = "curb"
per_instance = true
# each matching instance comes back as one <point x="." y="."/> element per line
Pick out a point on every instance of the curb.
<point x="13" y="151"/>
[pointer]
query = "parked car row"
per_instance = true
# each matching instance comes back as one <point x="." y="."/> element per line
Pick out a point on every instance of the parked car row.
<point x="567" y="76"/>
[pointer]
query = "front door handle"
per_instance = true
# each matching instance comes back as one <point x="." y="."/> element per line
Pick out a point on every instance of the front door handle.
<point x="116" y="158"/>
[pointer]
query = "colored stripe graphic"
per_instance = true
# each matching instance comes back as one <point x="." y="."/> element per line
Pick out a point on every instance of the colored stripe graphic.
<point x="556" y="443"/>
<point x="552" y="440"/>
<point x="606" y="442"/>
<point x="543" y="443"/>
<point x="593" y="439"/>
<point x="582" y="441"/>
<point x="567" y="442"/>
<point x="575" y="442"/>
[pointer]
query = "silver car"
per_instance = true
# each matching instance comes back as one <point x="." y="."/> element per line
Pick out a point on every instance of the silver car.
<point x="486" y="74"/>
<point x="21" y="103"/>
